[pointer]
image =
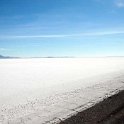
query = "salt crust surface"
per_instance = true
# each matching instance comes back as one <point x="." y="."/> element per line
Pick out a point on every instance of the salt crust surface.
<point x="50" y="90"/>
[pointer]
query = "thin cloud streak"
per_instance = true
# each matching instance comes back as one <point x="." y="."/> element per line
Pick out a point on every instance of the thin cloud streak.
<point x="103" y="33"/>
<point x="68" y="35"/>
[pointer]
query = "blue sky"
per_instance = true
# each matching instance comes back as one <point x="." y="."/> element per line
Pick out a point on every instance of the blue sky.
<point x="79" y="28"/>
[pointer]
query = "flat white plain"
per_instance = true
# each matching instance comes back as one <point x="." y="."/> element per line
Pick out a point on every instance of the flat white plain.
<point x="27" y="79"/>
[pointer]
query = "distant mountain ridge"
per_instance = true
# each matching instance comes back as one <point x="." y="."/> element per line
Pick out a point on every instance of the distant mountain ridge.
<point x="1" y="56"/>
<point x="7" y="57"/>
<point x="10" y="57"/>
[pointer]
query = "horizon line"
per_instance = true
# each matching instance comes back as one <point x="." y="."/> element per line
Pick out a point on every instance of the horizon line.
<point x="19" y="57"/>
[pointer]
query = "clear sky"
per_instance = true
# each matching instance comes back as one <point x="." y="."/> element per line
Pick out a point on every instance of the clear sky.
<point x="79" y="28"/>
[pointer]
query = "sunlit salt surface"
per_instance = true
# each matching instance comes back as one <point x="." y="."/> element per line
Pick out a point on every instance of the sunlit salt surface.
<point x="26" y="79"/>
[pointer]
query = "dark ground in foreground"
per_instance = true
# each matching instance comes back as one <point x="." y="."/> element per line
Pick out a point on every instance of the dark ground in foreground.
<point x="117" y="118"/>
<point x="109" y="111"/>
